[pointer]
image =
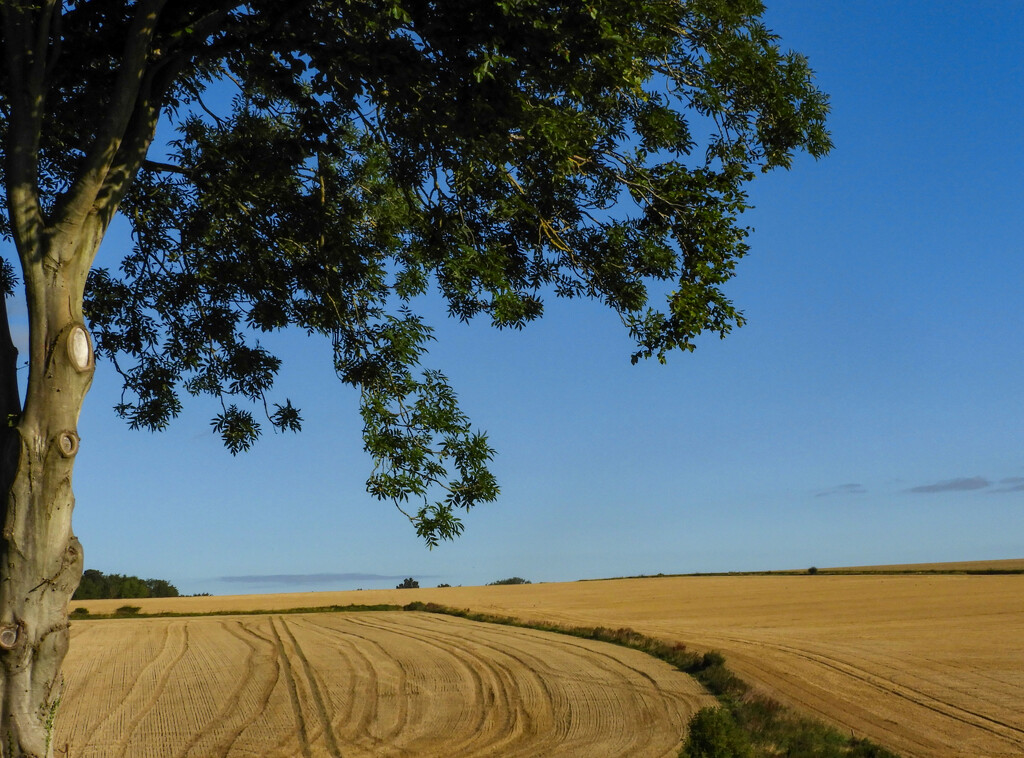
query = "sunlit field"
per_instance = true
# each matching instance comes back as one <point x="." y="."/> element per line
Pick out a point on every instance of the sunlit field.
<point x="926" y="665"/>
<point x="362" y="684"/>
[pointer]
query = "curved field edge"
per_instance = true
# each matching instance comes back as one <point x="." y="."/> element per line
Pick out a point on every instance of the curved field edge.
<point x="773" y="729"/>
<point x="927" y="666"/>
<point x="357" y="684"/>
<point x="134" y="611"/>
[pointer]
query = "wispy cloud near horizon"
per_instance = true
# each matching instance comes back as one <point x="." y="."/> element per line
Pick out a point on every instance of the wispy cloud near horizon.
<point x="842" y="489"/>
<point x="297" y="579"/>
<point x="963" y="484"/>
<point x="1010" y="484"/>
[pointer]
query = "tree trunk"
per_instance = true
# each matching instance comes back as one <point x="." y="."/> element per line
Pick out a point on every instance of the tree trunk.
<point x="40" y="558"/>
<point x="57" y="236"/>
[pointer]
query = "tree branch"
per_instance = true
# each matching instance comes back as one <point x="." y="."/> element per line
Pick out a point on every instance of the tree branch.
<point x="40" y="62"/>
<point x="25" y="97"/>
<point x="58" y="23"/>
<point x="201" y="28"/>
<point x="80" y="199"/>
<point x="167" y="167"/>
<point x="135" y="110"/>
<point x="139" y="132"/>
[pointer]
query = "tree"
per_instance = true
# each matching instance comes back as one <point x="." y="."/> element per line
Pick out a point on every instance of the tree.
<point x="330" y="163"/>
<point x="95" y="584"/>
<point x="408" y="584"/>
<point x="161" y="588"/>
<point x="713" y="733"/>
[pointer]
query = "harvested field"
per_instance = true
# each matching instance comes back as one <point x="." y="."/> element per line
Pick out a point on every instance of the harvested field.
<point x="961" y="566"/>
<point x="361" y="684"/>
<point x="930" y="666"/>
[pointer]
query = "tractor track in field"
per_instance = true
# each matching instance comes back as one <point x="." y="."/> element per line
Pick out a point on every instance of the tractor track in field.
<point x="366" y="729"/>
<point x="465" y="661"/>
<point x="930" y="666"/>
<point x="315" y="691"/>
<point x="302" y="730"/>
<point x="889" y="687"/>
<point x="394" y="685"/>
<point x="261" y="672"/>
<point x="153" y="695"/>
<point x="483" y="675"/>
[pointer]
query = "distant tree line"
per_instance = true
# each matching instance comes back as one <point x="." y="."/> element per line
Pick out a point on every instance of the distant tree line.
<point x="510" y="580"/>
<point x="96" y="585"/>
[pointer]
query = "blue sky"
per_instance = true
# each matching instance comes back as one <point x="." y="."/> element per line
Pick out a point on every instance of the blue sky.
<point x="870" y="412"/>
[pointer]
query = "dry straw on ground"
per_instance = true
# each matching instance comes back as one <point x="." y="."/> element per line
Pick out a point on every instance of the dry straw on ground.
<point x="362" y="684"/>
<point x="931" y="666"/>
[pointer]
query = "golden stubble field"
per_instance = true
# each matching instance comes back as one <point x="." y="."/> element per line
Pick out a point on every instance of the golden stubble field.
<point x="360" y="685"/>
<point x="927" y="665"/>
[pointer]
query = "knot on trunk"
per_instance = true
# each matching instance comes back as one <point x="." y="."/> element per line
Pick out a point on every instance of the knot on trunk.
<point x="79" y="348"/>
<point x="8" y="636"/>
<point x="67" y="443"/>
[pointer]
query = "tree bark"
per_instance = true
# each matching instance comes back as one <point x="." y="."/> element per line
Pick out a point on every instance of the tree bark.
<point x="40" y="558"/>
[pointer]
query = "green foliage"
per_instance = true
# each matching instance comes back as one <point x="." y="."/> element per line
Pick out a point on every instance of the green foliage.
<point x="8" y="279"/>
<point x="128" y="610"/>
<point x="408" y="584"/>
<point x="812" y="570"/>
<point x="51" y="717"/>
<point x="79" y="613"/>
<point x="510" y="580"/>
<point x="492" y="154"/>
<point x="711" y="671"/>
<point x="713" y="733"/>
<point x="96" y="585"/>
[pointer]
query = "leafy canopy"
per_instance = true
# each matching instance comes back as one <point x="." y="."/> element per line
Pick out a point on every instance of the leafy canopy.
<point x="95" y="584"/>
<point x="332" y="161"/>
